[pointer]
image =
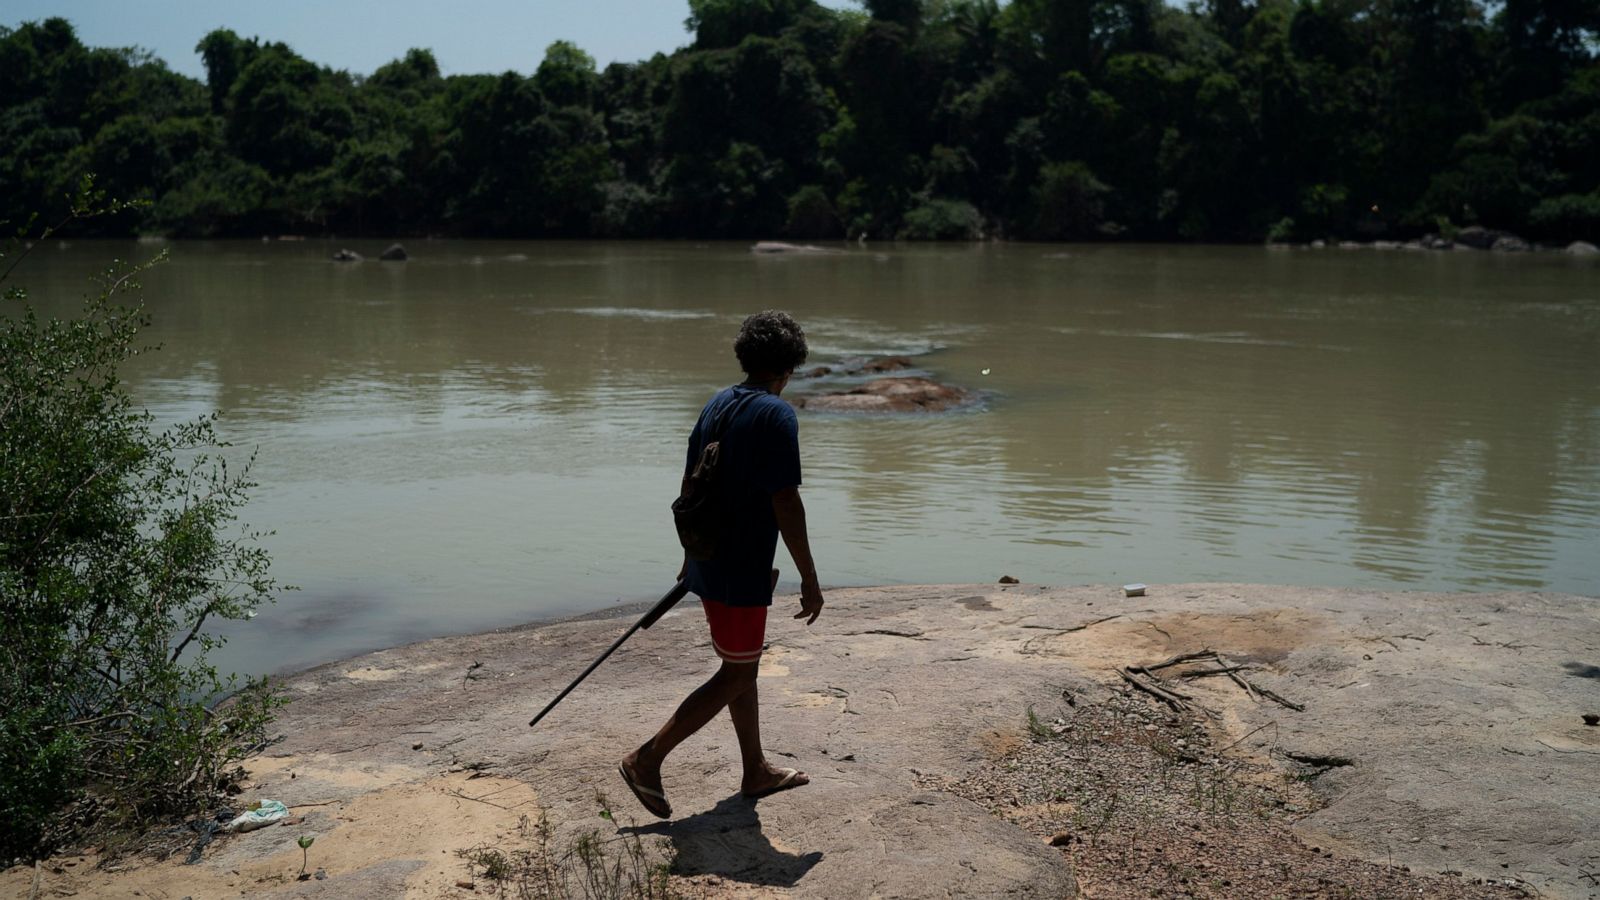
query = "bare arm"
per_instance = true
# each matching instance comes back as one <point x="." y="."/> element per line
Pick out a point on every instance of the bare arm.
<point x="790" y="512"/>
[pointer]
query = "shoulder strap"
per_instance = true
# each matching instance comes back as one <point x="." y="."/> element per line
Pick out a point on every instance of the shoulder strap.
<point x="720" y="425"/>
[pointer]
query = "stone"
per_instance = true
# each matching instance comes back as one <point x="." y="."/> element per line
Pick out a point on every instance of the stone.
<point x="347" y="255"/>
<point x="394" y="253"/>
<point x="1009" y="579"/>
<point x="1478" y="238"/>
<point x="1582" y="248"/>
<point x="883" y="364"/>
<point x="776" y="247"/>
<point x="1509" y="243"/>
<point x="1591" y="719"/>
<point x="1318" y="244"/>
<point x="892" y="395"/>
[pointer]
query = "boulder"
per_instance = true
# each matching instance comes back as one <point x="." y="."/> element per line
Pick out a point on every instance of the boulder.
<point x="1318" y="244"/>
<point x="1509" y="243"/>
<point x="1435" y="242"/>
<point x="1479" y="238"/>
<point x="775" y="247"/>
<point x="347" y="255"/>
<point x="1582" y="248"/>
<point x="892" y="395"/>
<point x="394" y="253"/>
<point x="881" y="364"/>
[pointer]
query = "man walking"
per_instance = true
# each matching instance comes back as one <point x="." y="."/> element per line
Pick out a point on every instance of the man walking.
<point x="759" y="472"/>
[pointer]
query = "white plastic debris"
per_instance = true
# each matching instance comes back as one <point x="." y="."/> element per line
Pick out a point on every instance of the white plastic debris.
<point x="1133" y="590"/>
<point x="264" y="813"/>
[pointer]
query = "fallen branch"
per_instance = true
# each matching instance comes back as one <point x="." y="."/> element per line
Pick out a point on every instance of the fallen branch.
<point x="1172" y="698"/>
<point x="1252" y="733"/>
<point x="1559" y="750"/>
<point x="1180" y="658"/>
<point x="1202" y="673"/>
<point x="1274" y="696"/>
<point x="1090" y="624"/>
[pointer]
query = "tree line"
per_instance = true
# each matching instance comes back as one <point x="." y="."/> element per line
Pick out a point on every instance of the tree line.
<point x="1227" y="120"/>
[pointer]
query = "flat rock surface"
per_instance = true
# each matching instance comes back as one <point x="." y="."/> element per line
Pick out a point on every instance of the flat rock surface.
<point x="1448" y="729"/>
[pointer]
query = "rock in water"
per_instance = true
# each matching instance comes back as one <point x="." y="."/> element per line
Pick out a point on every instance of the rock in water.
<point x="769" y="247"/>
<point x="1510" y="243"/>
<point x="347" y="255"/>
<point x="1582" y="248"/>
<point x="394" y="253"/>
<point x="892" y="395"/>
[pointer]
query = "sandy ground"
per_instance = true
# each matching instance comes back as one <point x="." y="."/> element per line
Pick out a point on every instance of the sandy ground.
<point x="1440" y="732"/>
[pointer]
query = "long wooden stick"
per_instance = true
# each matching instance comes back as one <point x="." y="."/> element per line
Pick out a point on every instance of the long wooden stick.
<point x="656" y="612"/>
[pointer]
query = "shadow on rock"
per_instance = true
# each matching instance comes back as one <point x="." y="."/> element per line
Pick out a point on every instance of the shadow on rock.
<point x="1581" y="670"/>
<point x="727" y="841"/>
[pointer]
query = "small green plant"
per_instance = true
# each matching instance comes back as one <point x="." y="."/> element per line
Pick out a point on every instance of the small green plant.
<point x="588" y="866"/>
<point x="305" y="843"/>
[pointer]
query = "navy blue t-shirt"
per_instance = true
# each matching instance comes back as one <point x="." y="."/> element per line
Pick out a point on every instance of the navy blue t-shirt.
<point x="760" y="456"/>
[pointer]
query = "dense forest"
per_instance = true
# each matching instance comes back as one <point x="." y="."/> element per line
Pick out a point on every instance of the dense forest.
<point x="1033" y="119"/>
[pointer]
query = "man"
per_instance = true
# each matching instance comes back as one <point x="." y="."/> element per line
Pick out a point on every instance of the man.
<point x="760" y="472"/>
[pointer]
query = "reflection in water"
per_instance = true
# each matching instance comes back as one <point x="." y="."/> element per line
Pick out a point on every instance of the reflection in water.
<point x="491" y="432"/>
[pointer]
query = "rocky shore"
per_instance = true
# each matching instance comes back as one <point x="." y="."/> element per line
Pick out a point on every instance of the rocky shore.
<point x="972" y="740"/>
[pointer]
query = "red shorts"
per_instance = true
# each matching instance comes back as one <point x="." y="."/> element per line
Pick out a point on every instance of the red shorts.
<point x="737" y="632"/>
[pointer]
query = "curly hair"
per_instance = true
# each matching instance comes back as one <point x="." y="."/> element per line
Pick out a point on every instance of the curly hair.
<point x="770" y="342"/>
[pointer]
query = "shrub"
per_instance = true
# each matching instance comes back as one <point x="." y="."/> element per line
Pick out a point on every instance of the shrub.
<point x="811" y="215"/>
<point x="1069" y="202"/>
<point x="116" y="550"/>
<point x="1568" y="217"/>
<point x="942" y="220"/>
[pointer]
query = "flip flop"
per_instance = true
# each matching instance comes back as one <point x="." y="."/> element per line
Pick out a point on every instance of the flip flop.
<point x="653" y="801"/>
<point x="786" y="783"/>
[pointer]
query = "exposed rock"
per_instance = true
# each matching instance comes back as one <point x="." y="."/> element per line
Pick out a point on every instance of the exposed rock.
<point x="1350" y="245"/>
<point x="1318" y="244"/>
<point x="347" y="255"/>
<point x="774" y="247"/>
<point x="1009" y="579"/>
<point x="394" y="253"/>
<point x="881" y="364"/>
<point x="1434" y="787"/>
<point x="1591" y="719"/>
<point x="1479" y="238"/>
<point x="1386" y="245"/>
<point x="817" y="372"/>
<point x="1582" y="248"/>
<point x="1435" y="242"/>
<point x="892" y="395"/>
<point x="1509" y="243"/>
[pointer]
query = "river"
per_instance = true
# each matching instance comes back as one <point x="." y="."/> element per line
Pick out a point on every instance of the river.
<point x="491" y="433"/>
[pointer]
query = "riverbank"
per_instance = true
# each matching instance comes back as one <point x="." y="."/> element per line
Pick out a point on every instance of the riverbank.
<point x="1440" y="732"/>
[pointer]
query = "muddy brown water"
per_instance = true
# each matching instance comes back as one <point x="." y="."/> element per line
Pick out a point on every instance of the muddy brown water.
<point x="491" y="432"/>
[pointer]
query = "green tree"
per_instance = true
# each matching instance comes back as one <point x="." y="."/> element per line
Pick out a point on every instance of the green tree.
<point x="117" y="552"/>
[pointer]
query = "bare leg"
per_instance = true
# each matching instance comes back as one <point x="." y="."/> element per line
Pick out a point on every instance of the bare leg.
<point x="700" y="707"/>
<point x="745" y="710"/>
